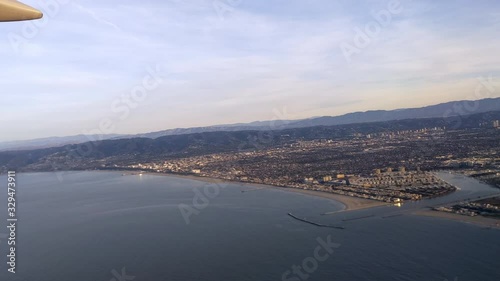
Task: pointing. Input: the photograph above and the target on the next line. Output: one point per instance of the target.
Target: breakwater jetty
(314, 223)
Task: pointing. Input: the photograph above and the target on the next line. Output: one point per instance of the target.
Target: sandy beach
(478, 220)
(350, 203)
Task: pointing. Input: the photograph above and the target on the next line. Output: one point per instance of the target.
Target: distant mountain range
(93, 155)
(443, 110)
(51, 142)
(449, 109)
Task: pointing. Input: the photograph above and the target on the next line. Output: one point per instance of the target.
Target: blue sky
(232, 61)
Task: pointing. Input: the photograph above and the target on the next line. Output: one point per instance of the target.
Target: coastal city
(250, 140)
(489, 208)
(390, 166)
(387, 165)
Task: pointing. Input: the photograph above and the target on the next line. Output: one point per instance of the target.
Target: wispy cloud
(266, 55)
(96, 17)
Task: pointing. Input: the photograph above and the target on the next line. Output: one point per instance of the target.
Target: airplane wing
(12, 10)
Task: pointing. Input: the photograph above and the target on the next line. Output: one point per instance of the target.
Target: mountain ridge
(92, 155)
(431, 111)
(447, 109)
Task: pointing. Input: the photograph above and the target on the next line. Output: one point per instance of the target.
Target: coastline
(350, 203)
(478, 220)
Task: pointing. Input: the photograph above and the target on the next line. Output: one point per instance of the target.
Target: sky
(123, 67)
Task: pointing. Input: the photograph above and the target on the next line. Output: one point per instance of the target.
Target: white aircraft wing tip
(12, 10)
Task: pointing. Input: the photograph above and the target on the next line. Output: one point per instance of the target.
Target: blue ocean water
(106, 226)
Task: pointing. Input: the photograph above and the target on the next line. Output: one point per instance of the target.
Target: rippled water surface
(95, 225)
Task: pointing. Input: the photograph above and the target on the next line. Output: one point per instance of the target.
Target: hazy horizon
(203, 63)
(228, 124)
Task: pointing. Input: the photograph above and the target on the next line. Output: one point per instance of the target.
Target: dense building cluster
(351, 166)
(386, 165)
(488, 208)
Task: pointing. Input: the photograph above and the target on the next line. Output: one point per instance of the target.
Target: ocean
(106, 226)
